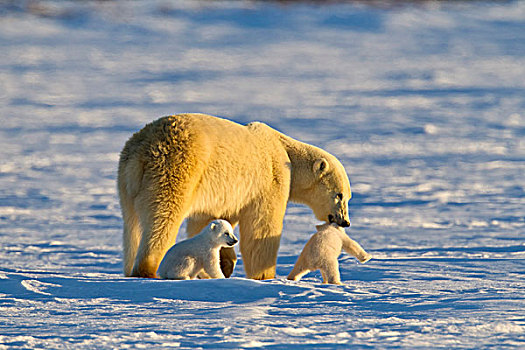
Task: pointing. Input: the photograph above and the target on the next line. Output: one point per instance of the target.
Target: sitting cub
(198, 255)
(321, 253)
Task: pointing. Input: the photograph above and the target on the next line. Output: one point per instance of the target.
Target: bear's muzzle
(341, 221)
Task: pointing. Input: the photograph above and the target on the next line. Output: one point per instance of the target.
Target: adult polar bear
(202, 167)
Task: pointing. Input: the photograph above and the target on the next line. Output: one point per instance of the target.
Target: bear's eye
(226, 233)
(339, 196)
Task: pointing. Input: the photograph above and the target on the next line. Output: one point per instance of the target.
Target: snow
(423, 102)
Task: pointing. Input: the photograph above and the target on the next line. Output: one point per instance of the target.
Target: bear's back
(238, 163)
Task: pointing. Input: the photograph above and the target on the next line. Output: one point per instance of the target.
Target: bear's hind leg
(131, 233)
(160, 219)
(131, 239)
(153, 246)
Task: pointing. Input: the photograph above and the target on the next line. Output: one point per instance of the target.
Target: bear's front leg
(260, 229)
(228, 259)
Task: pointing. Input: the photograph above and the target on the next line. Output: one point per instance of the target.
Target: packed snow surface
(423, 102)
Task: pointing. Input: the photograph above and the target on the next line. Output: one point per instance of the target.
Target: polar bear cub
(198, 255)
(321, 253)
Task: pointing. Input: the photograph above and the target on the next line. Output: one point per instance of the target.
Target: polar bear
(199, 167)
(321, 253)
(186, 259)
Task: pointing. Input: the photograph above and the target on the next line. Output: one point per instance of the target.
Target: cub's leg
(330, 272)
(353, 248)
(212, 269)
(299, 270)
(180, 270)
(197, 273)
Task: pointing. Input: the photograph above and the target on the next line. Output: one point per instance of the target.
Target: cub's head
(328, 226)
(222, 233)
(331, 192)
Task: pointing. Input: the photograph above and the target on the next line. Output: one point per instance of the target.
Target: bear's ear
(212, 226)
(320, 166)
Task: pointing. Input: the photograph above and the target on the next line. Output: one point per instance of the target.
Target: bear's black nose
(345, 223)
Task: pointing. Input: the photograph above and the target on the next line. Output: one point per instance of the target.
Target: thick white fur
(321, 253)
(189, 258)
(201, 167)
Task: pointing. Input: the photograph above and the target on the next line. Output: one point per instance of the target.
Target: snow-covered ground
(423, 102)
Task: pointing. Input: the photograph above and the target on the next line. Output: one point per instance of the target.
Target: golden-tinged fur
(321, 253)
(202, 167)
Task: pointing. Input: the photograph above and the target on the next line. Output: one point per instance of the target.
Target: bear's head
(331, 192)
(222, 233)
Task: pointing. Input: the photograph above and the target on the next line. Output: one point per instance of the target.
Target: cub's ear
(212, 226)
(320, 166)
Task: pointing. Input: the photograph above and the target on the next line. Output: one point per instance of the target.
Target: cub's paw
(365, 258)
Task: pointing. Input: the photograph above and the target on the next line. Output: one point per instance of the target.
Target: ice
(422, 101)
